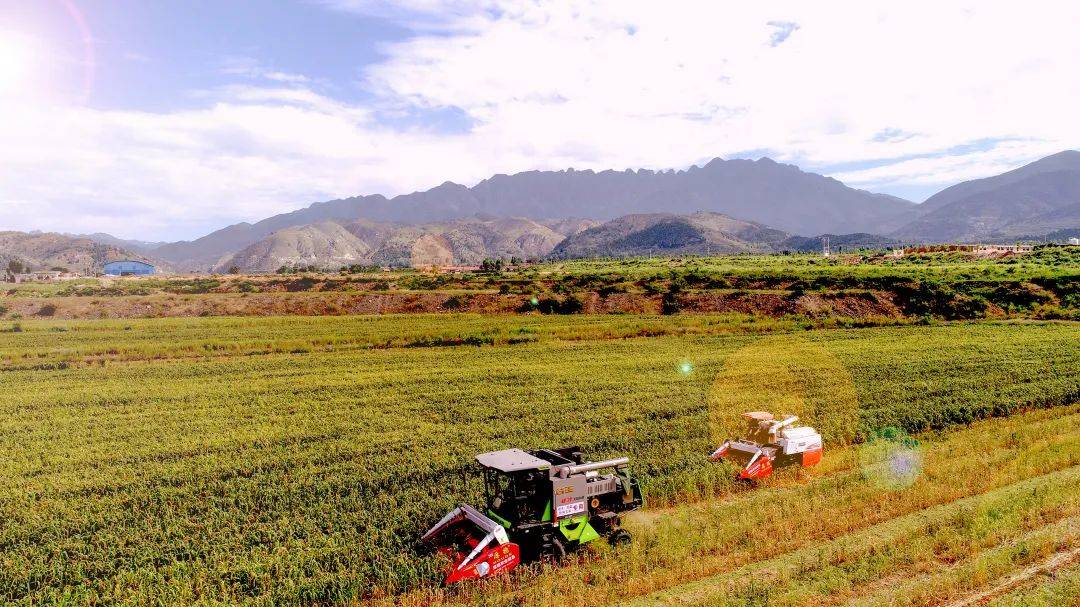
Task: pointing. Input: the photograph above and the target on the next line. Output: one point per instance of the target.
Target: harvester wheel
(745, 483)
(620, 538)
(554, 553)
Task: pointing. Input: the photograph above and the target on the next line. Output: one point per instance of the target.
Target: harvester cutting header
(540, 505)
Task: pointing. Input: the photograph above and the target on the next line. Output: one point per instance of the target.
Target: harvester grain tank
(770, 444)
(539, 505)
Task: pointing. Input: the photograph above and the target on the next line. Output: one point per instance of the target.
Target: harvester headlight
(483, 569)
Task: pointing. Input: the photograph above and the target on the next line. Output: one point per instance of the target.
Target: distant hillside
(203, 252)
(764, 191)
(839, 242)
(1068, 160)
(570, 225)
(330, 244)
(46, 250)
(1034, 200)
(323, 244)
(670, 234)
(138, 246)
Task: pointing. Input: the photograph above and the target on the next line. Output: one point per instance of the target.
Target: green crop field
(295, 460)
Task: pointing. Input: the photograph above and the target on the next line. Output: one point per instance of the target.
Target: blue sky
(153, 56)
(167, 119)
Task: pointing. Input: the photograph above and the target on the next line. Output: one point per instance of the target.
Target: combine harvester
(540, 505)
(770, 445)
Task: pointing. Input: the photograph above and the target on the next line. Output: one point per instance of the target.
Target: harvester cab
(770, 444)
(539, 505)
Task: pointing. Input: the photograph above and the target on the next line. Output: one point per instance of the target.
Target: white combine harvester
(770, 445)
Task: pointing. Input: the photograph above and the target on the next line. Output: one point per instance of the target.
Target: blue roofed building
(128, 267)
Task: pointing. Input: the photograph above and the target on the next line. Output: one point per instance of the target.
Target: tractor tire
(620, 538)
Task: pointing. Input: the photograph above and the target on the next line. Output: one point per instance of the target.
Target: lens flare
(891, 460)
(14, 62)
(87, 40)
(785, 375)
(686, 367)
(534, 301)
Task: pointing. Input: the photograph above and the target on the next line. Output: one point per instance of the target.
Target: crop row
(54, 344)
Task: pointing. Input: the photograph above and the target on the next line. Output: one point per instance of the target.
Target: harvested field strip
(677, 546)
(1043, 513)
(1048, 588)
(991, 573)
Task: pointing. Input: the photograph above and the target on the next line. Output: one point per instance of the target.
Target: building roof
(145, 263)
(512, 460)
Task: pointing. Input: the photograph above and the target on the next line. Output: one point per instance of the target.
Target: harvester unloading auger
(770, 444)
(540, 505)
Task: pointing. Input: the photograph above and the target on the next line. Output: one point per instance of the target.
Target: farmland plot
(187, 462)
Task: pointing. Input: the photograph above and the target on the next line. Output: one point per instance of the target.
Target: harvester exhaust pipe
(783, 423)
(589, 467)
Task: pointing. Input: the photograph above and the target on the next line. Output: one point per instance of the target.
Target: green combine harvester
(540, 505)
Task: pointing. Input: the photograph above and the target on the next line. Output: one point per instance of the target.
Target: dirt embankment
(859, 305)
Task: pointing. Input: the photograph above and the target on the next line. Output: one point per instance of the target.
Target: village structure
(982, 250)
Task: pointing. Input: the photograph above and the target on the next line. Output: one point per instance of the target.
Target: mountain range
(763, 191)
(722, 206)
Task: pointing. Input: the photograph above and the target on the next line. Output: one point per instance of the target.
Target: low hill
(330, 244)
(323, 244)
(1034, 200)
(46, 250)
(670, 234)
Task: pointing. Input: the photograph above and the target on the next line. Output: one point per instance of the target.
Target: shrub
(966, 307)
(572, 305)
(1019, 296)
(1052, 312)
(607, 290)
(552, 305)
(47, 310)
(304, 283)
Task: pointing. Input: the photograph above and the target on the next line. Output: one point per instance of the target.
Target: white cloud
(590, 85)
